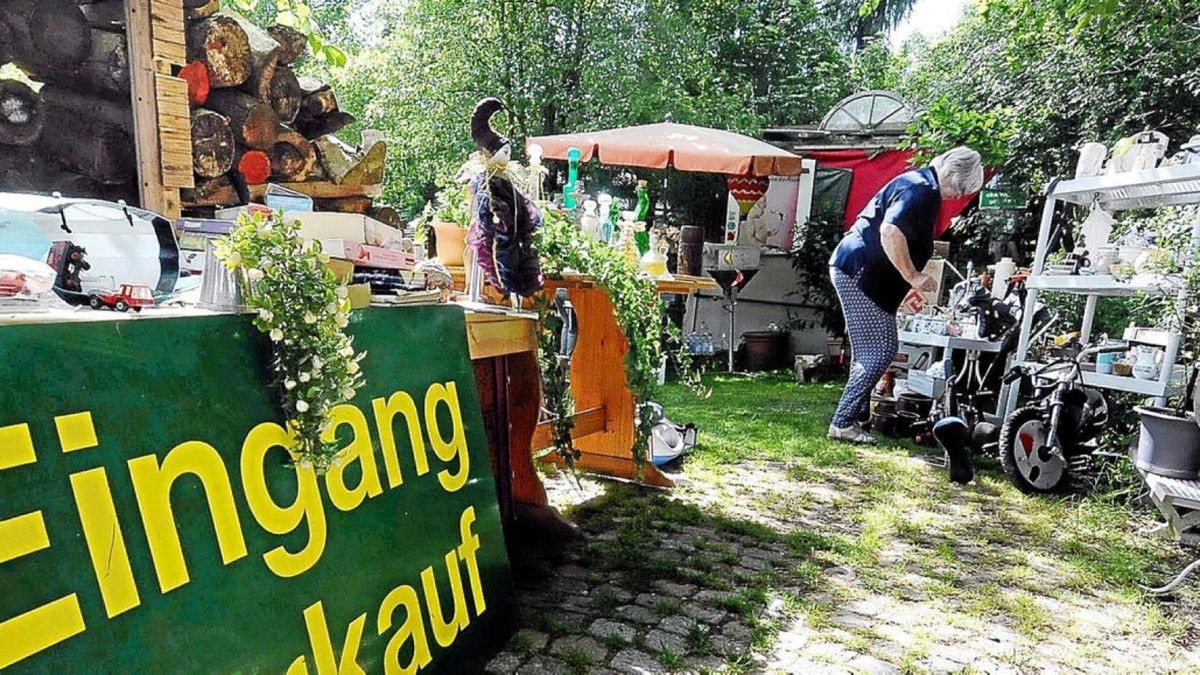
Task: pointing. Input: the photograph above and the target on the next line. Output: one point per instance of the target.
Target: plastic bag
(24, 278)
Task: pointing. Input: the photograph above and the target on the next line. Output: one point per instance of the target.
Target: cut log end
(196, 76)
(255, 167)
(222, 45)
(284, 94)
(292, 43)
(213, 147)
(293, 158)
(22, 113)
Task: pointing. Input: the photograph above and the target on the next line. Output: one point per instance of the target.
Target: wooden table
(604, 422)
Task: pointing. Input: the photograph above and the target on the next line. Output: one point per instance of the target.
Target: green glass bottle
(642, 237)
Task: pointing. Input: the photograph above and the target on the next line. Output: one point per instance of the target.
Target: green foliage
(300, 15)
(575, 65)
(636, 305)
(304, 312)
(944, 125)
(556, 382)
(863, 21)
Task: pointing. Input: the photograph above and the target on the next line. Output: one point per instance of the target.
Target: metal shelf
(1101, 284)
(1152, 188)
(1129, 383)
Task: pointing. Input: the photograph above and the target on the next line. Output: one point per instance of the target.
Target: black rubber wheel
(122, 306)
(1030, 465)
(94, 302)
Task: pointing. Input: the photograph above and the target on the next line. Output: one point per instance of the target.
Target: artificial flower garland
(299, 305)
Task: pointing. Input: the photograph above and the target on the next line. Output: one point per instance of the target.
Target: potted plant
(1169, 437)
(449, 216)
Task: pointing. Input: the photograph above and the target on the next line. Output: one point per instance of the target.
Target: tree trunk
(284, 94)
(106, 67)
(213, 147)
(82, 106)
(109, 16)
(203, 11)
(292, 157)
(22, 113)
(223, 46)
(255, 123)
(89, 147)
(292, 43)
(315, 127)
(346, 166)
(214, 192)
(46, 33)
(264, 57)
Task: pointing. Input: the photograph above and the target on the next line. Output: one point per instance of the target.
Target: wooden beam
(587, 423)
(491, 335)
(144, 65)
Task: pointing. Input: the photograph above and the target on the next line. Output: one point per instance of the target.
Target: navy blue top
(911, 202)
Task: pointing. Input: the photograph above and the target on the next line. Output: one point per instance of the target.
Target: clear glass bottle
(654, 262)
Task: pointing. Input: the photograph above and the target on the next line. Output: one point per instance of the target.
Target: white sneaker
(850, 434)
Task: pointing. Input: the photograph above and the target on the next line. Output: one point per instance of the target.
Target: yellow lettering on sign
(29, 633)
(413, 629)
(400, 403)
(76, 432)
(16, 446)
(152, 486)
(278, 519)
(322, 644)
(456, 447)
(105, 542)
(359, 449)
(446, 631)
(467, 551)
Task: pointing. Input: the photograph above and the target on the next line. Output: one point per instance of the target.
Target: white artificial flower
(305, 377)
(342, 321)
(348, 393)
(289, 384)
(265, 314)
(267, 227)
(254, 274)
(331, 308)
(310, 318)
(234, 259)
(347, 351)
(342, 292)
(316, 361)
(301, 406)
(276, 334)
(352, 367)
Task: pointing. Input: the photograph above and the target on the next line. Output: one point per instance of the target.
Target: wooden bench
(1179, 503)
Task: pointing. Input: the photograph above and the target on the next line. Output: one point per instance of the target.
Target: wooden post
(161, 116)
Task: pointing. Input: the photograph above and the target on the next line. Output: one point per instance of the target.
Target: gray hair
(961, 169)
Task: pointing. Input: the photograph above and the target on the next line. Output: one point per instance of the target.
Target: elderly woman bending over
(879, 260)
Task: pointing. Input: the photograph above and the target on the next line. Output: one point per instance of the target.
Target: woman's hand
(923, 282)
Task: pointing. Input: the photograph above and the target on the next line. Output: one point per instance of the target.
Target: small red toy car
(129, 297)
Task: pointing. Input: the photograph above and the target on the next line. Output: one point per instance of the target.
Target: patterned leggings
(874, 342)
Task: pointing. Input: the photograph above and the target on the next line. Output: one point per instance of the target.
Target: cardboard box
(350, 227)
(916, 301)
(360, 295)
(383, 258)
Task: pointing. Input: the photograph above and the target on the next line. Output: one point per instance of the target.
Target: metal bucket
(1168, 444)
(221, 289)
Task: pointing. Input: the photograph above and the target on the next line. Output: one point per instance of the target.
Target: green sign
(149, 523)
(995, 200)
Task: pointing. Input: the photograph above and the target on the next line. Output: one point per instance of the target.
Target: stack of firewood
(74, 134)
(253, 120)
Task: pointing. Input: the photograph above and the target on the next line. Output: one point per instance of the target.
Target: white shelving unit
(1153, 188)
